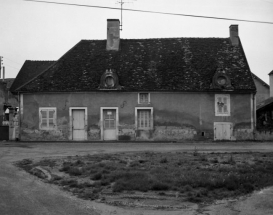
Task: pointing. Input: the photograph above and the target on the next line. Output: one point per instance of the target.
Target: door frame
(71, 121)
(225, 123)
(101, 120)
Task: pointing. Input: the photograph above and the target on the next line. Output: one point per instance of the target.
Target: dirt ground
(49, 199)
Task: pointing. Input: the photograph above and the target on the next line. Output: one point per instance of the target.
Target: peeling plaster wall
(177, 116)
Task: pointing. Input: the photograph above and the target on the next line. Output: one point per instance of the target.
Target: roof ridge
(41, 60)
(155, 38)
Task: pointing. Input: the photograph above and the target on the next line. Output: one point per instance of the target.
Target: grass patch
(195, 176)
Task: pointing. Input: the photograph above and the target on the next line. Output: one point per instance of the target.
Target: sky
(41, 31)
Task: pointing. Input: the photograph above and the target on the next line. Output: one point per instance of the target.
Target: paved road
(24, 194)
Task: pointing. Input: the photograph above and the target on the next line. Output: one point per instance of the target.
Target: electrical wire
(11, 66)
(155, 12)
(12, 61)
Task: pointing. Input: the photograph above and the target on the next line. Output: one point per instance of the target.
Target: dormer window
(221, 80)
(144, 98)
(109, 80)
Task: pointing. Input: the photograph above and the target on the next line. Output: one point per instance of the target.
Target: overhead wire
(154, 12)
(12, 61)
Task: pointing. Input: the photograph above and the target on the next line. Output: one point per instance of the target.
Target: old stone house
(161, 89)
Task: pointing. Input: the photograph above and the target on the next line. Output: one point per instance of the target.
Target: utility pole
(0, 66)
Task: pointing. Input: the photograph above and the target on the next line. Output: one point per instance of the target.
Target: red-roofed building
(162, 89)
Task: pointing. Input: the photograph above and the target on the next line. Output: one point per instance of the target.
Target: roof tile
(169, 64)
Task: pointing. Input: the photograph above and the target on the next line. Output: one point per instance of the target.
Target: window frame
(151, 109)
(149, 99)
(227, 96)
(54, 118)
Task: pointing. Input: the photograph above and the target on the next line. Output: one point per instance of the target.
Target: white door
(78, 124)
(109, 124)
(222, 131)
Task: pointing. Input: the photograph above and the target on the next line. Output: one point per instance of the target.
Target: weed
(74, 171)
(164, 160)
(195, 151)
(70, 183)
(25, 162)
(132, 181)
(47, 162)
(215, 160)
(159, 186)
(97, 176)
(188, 188)
(56, 177)
(89, 195)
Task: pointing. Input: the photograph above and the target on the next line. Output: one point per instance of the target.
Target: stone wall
(176, 116)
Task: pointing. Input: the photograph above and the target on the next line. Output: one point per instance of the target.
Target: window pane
(44, 113)
(51, 113)
(143, 97)
(44, 123)
(144, 117)
(48, 118)
(50, 123)
(225, 108)
(220, 108)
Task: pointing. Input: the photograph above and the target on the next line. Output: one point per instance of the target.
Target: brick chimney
(113, 36)
(234, 35)
(271, 83)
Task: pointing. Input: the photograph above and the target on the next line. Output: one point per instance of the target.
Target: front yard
(156, 180)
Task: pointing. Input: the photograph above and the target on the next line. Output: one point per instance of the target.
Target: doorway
(109, 123)
(222, 130)
(79, 122)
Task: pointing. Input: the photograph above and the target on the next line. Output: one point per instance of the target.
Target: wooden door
(78, 124)
(109, 124)
(222, 131)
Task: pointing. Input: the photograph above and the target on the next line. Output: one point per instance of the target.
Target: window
(109, 120)
(144, 118)
(222, 105)
(143, 98)
(47, 118)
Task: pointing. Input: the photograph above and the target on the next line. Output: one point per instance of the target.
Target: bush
(97, 176)
(74, 171)
(164, 160)
(159, 186)
(132, 181)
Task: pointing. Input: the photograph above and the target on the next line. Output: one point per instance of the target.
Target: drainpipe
(254, 115)
(19, 116)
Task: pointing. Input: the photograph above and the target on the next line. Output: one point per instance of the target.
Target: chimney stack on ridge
(234, 35)
(271, 84)
(113, 35)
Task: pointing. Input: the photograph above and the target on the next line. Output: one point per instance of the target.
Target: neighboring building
(163, 89)
(7, 99)
(265, 109)
(262, 89)
(29, 70)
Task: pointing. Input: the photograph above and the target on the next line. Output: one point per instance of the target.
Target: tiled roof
(264, 103)
(29, 70)
(165, 64)
(9, 82)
